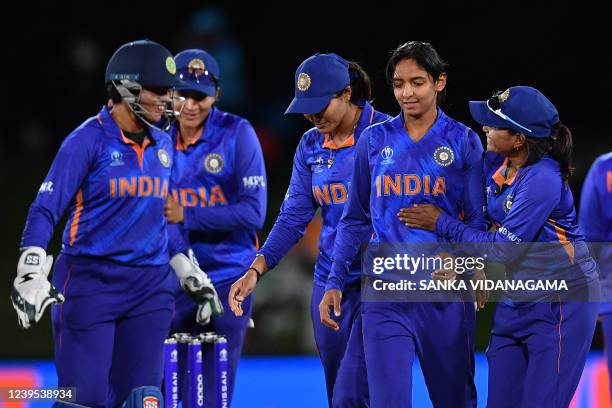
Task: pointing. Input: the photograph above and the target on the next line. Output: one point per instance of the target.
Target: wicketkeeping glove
(211, 307)
(32, 292)
(195, 282)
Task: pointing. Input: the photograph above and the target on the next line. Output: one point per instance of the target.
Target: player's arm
(354, 228)
(474, 193)
(296, 212)
(535, 199)
(32, 292)
(591, 214)
(249, 212)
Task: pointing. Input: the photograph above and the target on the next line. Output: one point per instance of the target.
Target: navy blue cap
(198, 70)
(143, 61)
(317, 80)
(522, 108)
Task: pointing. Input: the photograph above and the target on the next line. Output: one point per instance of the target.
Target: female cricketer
(333, 95)
(420, 155)
(218, 198)
(596, 224)
(540, 339)
(112, 172)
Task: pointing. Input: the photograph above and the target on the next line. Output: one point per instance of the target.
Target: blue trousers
(440, 334)
(232, 327)
(537, 352)
(341, 352)
(109, 332)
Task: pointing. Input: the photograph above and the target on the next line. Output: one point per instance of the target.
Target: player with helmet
(218, 200)
(334, 95)
(117, 290)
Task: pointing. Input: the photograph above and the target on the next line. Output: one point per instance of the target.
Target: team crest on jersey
(508, 202)
(116, 158)
(444, 156)
(150, 402)
(387, 155)
(304, 82)
(163, 157)
(213, 163)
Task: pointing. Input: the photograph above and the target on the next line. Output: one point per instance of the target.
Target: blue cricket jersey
(220, 180)
(321, 177)
(392, 172)
(596, 220)
(115, 190)
(534, 206)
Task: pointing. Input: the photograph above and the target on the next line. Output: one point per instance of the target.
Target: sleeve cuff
(333, 283)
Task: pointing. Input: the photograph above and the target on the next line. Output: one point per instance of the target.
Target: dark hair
(361, 85)
(559, 146)
(425, 56)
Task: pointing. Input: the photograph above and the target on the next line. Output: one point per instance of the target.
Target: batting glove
(32, 292)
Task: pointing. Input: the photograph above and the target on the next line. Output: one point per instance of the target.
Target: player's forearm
(288, 229)
(249, 214)
(39, 228)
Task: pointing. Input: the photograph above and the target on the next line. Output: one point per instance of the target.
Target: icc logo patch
(223, 355)
(444, 156)
(387, 155)
(304, 82)
(116, 158)
(163, 157)
(150, 402)
(213, 163)
(508, 202)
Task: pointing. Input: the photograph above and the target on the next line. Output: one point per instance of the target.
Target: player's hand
(240, 289)
(194, 280)
(208, 309)
(331, 300)
(444, 274)
(422, 216)
(481, 295)
(173, 211)
(32, 292)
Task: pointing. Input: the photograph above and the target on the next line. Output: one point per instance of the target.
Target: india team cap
(143, 61)
(522, 108)
(198, 70)
(317, 80)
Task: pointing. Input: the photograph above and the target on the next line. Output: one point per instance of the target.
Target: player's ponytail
(559, 146)
(562, 148)
(361, 85)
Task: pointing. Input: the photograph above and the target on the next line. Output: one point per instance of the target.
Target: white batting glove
(32, 292)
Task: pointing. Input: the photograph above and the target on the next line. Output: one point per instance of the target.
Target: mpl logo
(150, 402)
(254, 181)
(387, 155)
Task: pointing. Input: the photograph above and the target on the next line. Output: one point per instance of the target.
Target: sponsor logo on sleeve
(254, 182)
(46, 187)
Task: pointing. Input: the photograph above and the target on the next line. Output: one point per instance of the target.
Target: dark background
(54, 56)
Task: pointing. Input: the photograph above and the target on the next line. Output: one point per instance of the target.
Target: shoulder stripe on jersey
(74, 227)
(372, 116)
